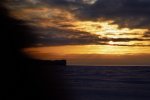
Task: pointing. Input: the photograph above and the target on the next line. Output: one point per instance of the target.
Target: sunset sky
(87, 32)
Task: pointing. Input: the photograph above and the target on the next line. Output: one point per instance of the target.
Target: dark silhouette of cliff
(23, 77)
(52, 62)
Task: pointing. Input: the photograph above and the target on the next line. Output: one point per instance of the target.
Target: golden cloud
(54, 17)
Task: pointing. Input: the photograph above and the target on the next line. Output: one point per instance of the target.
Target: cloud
(61, 22)
(33, 1)
(124, 12)
(89, 2)
(55, 36)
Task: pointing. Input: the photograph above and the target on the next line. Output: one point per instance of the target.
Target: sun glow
(107, 29)
(65, 51)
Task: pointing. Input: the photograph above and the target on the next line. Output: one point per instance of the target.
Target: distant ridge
(52, 62)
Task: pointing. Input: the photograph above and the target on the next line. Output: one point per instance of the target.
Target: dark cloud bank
(130, 13)
(126, 13)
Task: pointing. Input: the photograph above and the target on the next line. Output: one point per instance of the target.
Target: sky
(87, 32)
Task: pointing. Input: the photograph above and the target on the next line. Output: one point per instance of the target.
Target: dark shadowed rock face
(22, 76)
(53, 62)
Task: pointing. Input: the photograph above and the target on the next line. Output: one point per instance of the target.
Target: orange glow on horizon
(62, 51)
